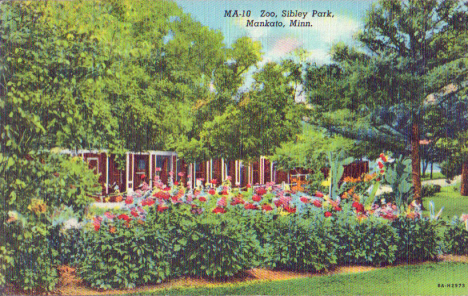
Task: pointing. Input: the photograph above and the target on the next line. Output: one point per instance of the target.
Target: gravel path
(441, 182)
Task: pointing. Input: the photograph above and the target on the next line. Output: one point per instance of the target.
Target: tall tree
(410, 49)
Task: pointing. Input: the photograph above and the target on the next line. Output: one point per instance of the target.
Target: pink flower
(248, 186)
(380, 165)
(181, 174)
(176, 183)
(171, 174)
(337, 208)
(109, 215)
(157, 169)
(221, 202)
(464, 217)
(124, 217)
(214, 182)
(202, 199)
(318, 194)
(189, 198)
(229, 178)
(212, 191)
(327, 214)
(189, 176)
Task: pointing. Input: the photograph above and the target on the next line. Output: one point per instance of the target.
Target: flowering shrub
(371, 241)
(126, 254)
(456, 236)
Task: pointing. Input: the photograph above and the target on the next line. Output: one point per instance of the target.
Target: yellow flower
(326, 183)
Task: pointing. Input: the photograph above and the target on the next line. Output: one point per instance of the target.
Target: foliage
(125, 255)
(372, 242)
(430, 189)
(398, 176)
(456, 236)
(6, 262)
(336, 163)
(418, 239)
(298, 244)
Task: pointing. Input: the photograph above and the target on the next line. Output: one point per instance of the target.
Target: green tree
(409, 50)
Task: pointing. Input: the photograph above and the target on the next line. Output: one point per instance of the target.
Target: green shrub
(456, 238)
(430, 190)
(298, 244)
(6, 262)
(132, 255)
(35, 263)
(418, 239)
(371, 241)
(219, 246)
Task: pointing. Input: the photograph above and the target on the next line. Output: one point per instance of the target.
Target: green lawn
(454, 203)
(435, 176)
(403, 280)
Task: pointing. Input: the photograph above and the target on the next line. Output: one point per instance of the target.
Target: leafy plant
(336, 171)
(456, 237)
(298, 244)
(398, 176)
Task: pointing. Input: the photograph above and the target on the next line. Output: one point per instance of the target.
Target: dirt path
(70, 284)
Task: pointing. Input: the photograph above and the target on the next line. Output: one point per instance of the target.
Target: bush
(219, 246)
(456, 237)
(6, 262)
(124, 255)
(298, 244)
(430, 190)
(418, 239)
(372, 241)
(35, 263)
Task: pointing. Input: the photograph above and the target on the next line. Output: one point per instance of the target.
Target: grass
(450, 199)
(422, 279)
(435, 176)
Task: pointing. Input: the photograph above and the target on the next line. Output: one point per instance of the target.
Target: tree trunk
(416, 161)
(432, 166)
(464, 179)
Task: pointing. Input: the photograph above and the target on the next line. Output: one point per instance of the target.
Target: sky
(279, 42)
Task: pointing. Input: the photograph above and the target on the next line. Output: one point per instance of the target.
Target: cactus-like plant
(336, 171)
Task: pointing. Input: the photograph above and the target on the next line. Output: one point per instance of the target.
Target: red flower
(175, 198)
(214, 181)
(382, 156)
(289, 209)
(150, 202)
(124, 217)
(202, 198)
(129, 200)
(327, 214)
(267, 207)
(304, 199)
(380, 165)
(249, 206)
(212, 191)
(134, 213)
(248, 186)
(261, 191)
(277, 203)
(96, 227)
(256, 198)
(167, 189)
(219, 210)
(359, 207)
(337, 208)
(317, 203)
(382, 171)
(236, 201)
(318, 194)
(162, 208)
(176, 183)
(142, 177)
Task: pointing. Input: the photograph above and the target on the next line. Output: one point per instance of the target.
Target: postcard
(197, 147)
